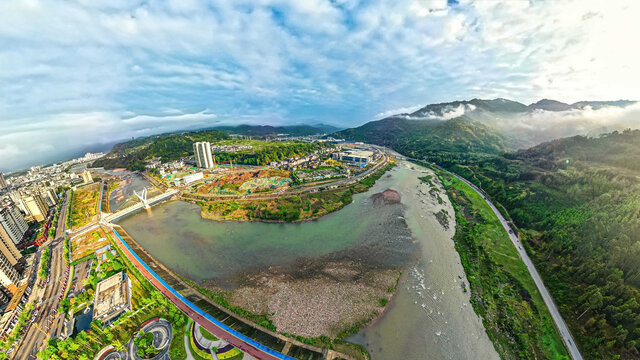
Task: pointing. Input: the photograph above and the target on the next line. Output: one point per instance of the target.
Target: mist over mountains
(493, 126)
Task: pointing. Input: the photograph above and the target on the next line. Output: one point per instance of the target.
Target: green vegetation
(69, 214)
(458, 139)
(265, 152)
(502, 291)
(54, 223)
(195, 351)
(288, 208)
(148, 303)
(576, 203)
(207, 335)
(144, 343)
(177, 350)
(44, 263)
(85, 205)
(133, 154)
(12, 338)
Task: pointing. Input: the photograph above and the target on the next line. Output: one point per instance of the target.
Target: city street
(46, 300)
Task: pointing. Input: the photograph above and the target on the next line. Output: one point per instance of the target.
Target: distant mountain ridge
(485, 127)
(268, 130)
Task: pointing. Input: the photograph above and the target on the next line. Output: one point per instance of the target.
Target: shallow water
(175, 234)
(133, 182)
(430, 317)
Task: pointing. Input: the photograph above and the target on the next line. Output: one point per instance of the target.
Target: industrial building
(202, 152)
(358, 157)
(112, 298)
(12, 223)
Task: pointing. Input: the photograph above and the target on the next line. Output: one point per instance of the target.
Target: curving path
(569, 343)
(242, 342)
(162, 335)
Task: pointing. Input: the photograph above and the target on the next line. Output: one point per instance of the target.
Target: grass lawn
(207, 335)
(503, 292)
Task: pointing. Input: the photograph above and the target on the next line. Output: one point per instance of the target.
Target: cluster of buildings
(230, 148)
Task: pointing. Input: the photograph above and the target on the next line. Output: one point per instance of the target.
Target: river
(430, 317)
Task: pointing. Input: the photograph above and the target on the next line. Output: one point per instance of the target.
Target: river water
(430, 317)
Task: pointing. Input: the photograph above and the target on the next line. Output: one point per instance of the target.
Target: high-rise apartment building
(9, 276)
(12, 222)
(36, 207)
(3, 182)
(49, 196)
(202, 152)
(7, 248)
(16, 197)
(86, 177)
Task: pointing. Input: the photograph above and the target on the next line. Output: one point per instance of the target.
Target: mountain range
(267, 130)
(493, 126)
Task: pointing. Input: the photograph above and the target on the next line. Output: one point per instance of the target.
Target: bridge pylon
(143, 197)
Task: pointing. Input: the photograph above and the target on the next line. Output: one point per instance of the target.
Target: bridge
(107, 218)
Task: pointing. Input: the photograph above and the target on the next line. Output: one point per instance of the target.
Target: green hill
(132, 154)
(577, 201)
(455, 138)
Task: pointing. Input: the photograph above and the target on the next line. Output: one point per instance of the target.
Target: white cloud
(291, 60)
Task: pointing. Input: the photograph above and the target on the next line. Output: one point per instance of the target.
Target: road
(192, 312)
(296, 191)
(35, 335)
(569, 343)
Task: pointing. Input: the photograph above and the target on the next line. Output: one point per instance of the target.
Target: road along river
(431, 316)
(333, 259)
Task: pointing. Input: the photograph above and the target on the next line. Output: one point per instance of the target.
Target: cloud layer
(73, 73)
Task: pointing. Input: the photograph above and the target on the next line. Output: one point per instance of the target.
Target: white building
(360, 157)
(188, 179)
(12, 223)
(3, 182)
(202, 152)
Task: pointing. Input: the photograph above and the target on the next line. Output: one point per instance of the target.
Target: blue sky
(77, 73)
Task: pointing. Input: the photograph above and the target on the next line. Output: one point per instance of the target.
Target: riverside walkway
(204, 319)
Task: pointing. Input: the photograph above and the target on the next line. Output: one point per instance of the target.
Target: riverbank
(431, 316)
(503, 291)
(305, 206)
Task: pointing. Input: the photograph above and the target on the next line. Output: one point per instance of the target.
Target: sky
(77, 75)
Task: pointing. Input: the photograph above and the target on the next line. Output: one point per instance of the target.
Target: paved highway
(48, 315)
(548, 300)
(568, 340)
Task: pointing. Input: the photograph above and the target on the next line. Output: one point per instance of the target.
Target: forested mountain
(131, 154)
(455, 138)
(577, 201)
(494, 125)
(266, 130)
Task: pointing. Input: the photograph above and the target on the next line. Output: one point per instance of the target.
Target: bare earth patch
(336, 297)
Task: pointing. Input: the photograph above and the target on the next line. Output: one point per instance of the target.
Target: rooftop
(112, 297)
